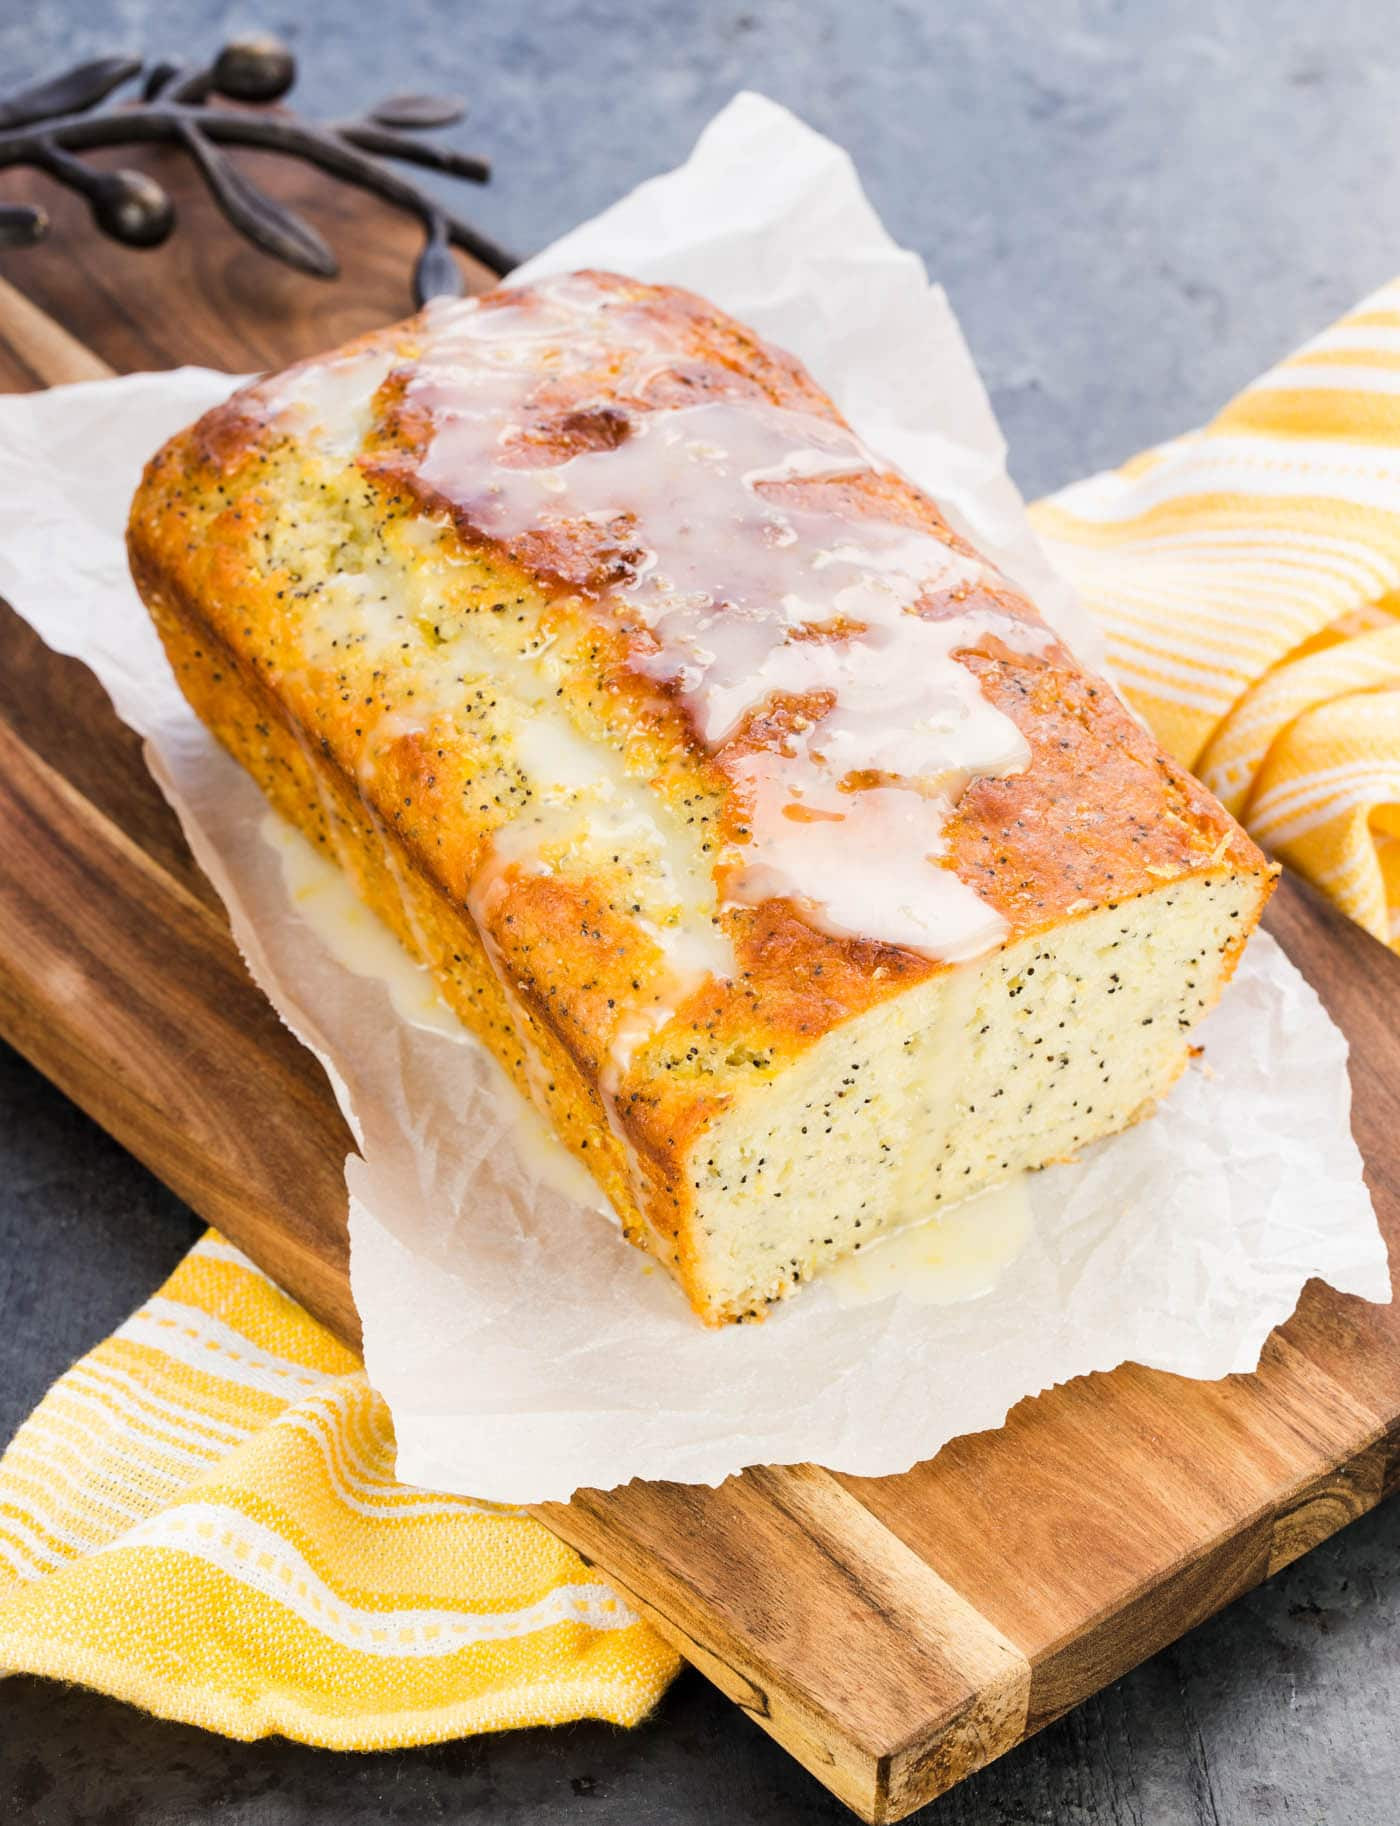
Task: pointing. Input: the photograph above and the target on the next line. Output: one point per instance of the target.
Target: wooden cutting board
(893, 1633)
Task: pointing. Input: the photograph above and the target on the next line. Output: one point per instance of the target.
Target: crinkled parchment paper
(523, 1347)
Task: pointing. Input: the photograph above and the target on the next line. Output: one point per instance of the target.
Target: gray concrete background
(1134, 209)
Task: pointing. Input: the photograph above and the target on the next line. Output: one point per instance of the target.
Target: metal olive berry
(22, 224)
(132, 208)
(257, 67)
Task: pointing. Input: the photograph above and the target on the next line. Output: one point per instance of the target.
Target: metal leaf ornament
(49, 124)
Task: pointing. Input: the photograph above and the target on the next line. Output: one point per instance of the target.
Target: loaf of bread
(763, 830)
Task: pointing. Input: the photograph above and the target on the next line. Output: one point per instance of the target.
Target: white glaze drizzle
(330, 400)
(749, 596)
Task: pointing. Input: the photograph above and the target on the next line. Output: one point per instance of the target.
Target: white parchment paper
(524, 1349)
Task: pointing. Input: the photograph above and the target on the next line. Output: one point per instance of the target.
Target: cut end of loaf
(1012, 1062)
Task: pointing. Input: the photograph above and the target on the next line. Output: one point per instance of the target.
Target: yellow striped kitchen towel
(201, 1518)
(1246, 576)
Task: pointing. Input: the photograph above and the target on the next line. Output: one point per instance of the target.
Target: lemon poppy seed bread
(767, 835)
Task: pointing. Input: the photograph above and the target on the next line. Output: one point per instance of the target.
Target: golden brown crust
(1101, 815)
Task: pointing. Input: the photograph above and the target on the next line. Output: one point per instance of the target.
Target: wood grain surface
(892, 1633)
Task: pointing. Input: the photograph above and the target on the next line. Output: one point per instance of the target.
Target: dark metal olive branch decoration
(48, 124)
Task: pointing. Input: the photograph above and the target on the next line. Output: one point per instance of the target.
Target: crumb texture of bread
(763, 831)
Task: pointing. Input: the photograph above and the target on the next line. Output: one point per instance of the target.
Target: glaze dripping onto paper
(959, 1253)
